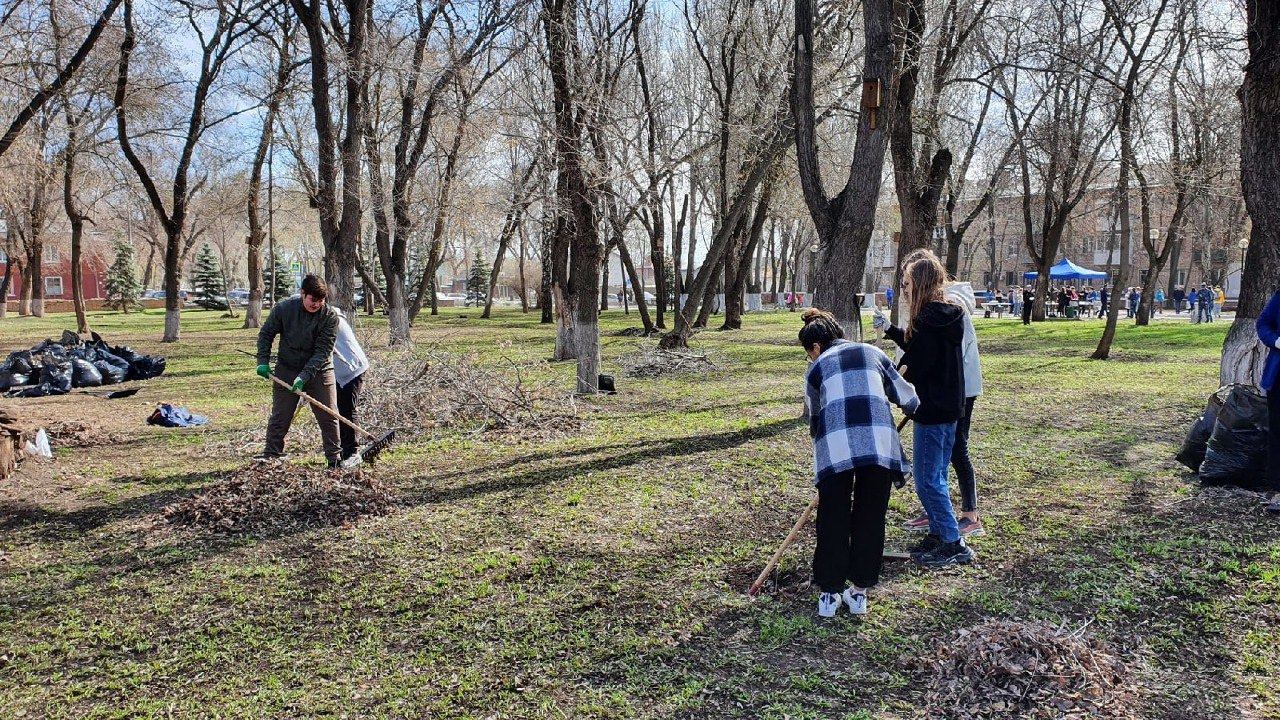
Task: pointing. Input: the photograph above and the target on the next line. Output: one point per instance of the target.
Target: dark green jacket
(306, 339)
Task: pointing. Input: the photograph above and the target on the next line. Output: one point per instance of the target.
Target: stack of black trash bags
(55, 366)
(1228, 444)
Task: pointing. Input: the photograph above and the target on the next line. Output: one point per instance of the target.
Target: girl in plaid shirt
(857, 457)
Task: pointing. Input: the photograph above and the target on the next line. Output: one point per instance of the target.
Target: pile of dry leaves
(653, 361)
(276, 496)
(417, 391)
(1004, 669)
(73, 433)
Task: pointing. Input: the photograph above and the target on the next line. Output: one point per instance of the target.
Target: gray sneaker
(956, 553)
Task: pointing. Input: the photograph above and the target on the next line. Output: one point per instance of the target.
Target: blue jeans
(930, 461)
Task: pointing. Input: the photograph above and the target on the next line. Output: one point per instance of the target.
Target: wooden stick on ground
(804, 517)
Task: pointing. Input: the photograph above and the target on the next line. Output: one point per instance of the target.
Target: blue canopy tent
(1067, 270)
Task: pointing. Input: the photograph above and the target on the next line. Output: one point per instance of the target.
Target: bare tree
(279, 37)
(1136, 44)
(55, 86)
(338, 163)
(845, 222)
(221, 30)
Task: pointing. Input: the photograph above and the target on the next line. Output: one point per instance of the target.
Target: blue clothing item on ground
(847, 391)
(170, 416)
(931, 459)
(1268, 325)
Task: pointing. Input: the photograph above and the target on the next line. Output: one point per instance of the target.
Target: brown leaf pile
(73, 433)
(1005, 669)
(277, 496)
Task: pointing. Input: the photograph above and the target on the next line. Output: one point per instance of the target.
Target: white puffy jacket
(349, 360)
(962, 292)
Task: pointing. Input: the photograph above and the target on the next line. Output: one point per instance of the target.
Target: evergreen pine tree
(284, 281)
(478, 280)
(207, 278)
(121, 280)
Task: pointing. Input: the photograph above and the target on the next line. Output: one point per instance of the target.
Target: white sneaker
(857, 601)
(829, 603)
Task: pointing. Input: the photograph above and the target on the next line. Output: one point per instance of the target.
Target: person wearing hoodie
(1268, 327)
(933, 354)
(349, 366)
(857, 458)
(968, 522)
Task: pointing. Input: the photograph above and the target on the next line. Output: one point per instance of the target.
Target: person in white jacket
(349, 366)
(970, 525)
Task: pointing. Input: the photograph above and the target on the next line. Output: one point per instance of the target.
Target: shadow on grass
(677, 447)
(44, 524)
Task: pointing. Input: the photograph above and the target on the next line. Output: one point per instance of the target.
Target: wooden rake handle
(316, 403)
(764, 575)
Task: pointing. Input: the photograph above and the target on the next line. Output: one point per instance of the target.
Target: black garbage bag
(148, 367)
(111, 374)
(84, 374)
(21, 362)
(41, 390)
(1193, 448)
(10, 379)
(1236, 453)
(55, 374)
(126, 353)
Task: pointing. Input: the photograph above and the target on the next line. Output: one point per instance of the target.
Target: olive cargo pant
(284, 404)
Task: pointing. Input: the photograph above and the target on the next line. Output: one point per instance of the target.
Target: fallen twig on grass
(420, 391)
(649, 360)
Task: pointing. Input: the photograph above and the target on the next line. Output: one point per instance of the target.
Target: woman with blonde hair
(932, 343)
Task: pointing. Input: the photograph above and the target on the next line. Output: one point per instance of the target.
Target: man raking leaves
(308, 329)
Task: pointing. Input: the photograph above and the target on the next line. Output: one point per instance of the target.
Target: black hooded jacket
(935, 362)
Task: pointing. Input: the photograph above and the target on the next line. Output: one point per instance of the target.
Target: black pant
(1026, 311)
(348, 396)
(961, 462)
(851, 528)
(1273, 439)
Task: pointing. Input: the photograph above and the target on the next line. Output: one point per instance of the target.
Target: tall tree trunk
(1242, 355)
(736, 275)
(24, 292)
(77, 220)
(545, 300)
(253, 244)
(524, 249)
(677, 260)
(845, 222)
(577, 226)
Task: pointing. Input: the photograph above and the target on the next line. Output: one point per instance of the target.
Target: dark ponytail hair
(820, 328)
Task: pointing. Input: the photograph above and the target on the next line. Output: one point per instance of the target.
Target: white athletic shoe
(829, 603)
(857, 601)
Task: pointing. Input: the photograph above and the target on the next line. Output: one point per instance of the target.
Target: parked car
(239, 297)
(160, 294)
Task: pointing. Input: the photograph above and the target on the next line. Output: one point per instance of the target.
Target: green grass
(603, 574)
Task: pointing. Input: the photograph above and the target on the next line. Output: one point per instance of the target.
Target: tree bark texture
(1242, 355)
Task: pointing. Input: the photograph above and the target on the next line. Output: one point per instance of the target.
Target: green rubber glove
(265, 371)
(297, 385)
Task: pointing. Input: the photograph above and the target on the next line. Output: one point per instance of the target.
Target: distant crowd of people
(1203, 304)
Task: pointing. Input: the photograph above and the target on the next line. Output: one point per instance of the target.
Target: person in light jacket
(349, 366)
